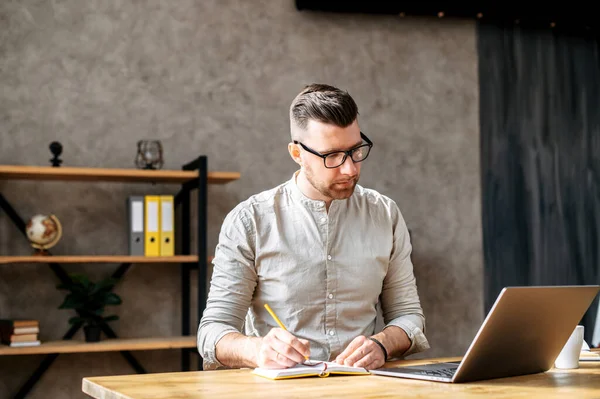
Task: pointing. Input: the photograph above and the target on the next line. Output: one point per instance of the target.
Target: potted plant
(89, 299)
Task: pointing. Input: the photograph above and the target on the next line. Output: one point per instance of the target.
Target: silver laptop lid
(525, 331)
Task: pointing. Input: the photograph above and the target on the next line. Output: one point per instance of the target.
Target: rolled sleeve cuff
(418, 341)
(208, 347)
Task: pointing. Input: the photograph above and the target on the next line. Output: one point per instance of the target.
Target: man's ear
(294, 151)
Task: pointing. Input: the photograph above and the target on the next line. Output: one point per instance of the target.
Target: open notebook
(589, 356)
(310, 368)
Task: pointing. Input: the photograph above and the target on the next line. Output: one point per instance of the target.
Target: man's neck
(308, 190)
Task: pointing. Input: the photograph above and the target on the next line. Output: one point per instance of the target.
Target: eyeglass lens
(337, 158)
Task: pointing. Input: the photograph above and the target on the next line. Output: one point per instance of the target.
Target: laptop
(523, 333)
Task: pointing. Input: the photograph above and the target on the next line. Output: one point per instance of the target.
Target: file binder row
(151, 225)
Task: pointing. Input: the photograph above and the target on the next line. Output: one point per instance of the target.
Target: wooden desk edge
(98, 392)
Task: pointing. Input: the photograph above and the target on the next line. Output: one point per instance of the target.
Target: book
(28, 343)
(25, 330)
(310, 368)
(19, 338)
(15, 323)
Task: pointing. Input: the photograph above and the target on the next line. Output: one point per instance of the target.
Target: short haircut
(323, 103)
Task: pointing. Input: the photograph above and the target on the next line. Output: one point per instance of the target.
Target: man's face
(336, 183)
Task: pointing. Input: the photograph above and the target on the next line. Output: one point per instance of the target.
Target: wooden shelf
(65, 173)
(99, 259)
(106, 345)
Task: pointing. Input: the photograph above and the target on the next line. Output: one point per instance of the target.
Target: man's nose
(348, 167)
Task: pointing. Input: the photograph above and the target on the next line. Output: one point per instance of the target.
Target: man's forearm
(236, 350)
(394, 339)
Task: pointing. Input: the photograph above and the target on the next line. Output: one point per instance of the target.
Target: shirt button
(330, 296)
(323, 219)
(328, 257)
(331, 332)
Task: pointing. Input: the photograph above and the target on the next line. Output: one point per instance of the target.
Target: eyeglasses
(336, 159)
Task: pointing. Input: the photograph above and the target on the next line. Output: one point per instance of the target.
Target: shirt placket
(331, 332)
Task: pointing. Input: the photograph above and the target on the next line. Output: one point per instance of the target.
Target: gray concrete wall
(216, 78)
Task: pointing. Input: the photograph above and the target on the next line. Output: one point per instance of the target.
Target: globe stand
(40, 252)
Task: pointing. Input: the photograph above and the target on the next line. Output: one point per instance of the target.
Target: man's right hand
(281, 349)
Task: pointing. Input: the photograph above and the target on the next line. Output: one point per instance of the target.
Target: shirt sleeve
(232, 286)
(400, 302)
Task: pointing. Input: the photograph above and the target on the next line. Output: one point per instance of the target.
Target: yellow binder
(167, 226)
(152, 225)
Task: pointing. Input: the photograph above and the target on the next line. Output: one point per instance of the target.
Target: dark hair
(325, 104)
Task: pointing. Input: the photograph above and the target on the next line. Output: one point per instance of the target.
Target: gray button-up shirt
(324, 274)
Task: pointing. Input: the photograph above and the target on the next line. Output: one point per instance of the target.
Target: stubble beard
(332, 190)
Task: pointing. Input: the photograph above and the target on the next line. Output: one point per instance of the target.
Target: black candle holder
(56, 149)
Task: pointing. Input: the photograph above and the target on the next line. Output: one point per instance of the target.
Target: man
(321, 251)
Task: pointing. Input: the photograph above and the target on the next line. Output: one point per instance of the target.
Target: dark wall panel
(540, 157)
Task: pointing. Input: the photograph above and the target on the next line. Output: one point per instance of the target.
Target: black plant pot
(92, 333)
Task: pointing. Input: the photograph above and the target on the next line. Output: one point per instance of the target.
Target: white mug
(569, 355)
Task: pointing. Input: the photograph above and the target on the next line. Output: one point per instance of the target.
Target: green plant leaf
(71, 302)
(81, 279)
(111, 318)
(89, 299)
(112, 299)
(103, 286)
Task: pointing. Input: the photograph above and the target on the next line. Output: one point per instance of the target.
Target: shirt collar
(299, 195)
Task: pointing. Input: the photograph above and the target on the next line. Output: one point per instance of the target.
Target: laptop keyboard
(447, 373)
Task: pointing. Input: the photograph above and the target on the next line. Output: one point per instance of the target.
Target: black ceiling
(560, 14)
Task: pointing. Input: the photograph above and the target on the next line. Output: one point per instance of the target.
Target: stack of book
(19, 332)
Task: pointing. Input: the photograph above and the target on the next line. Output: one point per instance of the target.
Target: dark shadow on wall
(540, 158)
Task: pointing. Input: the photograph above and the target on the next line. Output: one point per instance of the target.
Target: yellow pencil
(275, 316)
(277, 320)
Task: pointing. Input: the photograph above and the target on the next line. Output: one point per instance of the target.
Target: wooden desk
(580, 383)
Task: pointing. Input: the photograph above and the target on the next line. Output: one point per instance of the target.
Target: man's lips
(344, 182)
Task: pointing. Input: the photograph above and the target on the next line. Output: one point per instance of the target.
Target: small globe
(43, 231)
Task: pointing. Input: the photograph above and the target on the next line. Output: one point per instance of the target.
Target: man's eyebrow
(337, 149)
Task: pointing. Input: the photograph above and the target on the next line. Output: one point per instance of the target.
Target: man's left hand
(362, 352)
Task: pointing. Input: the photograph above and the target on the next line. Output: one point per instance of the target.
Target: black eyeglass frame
(347, 153)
